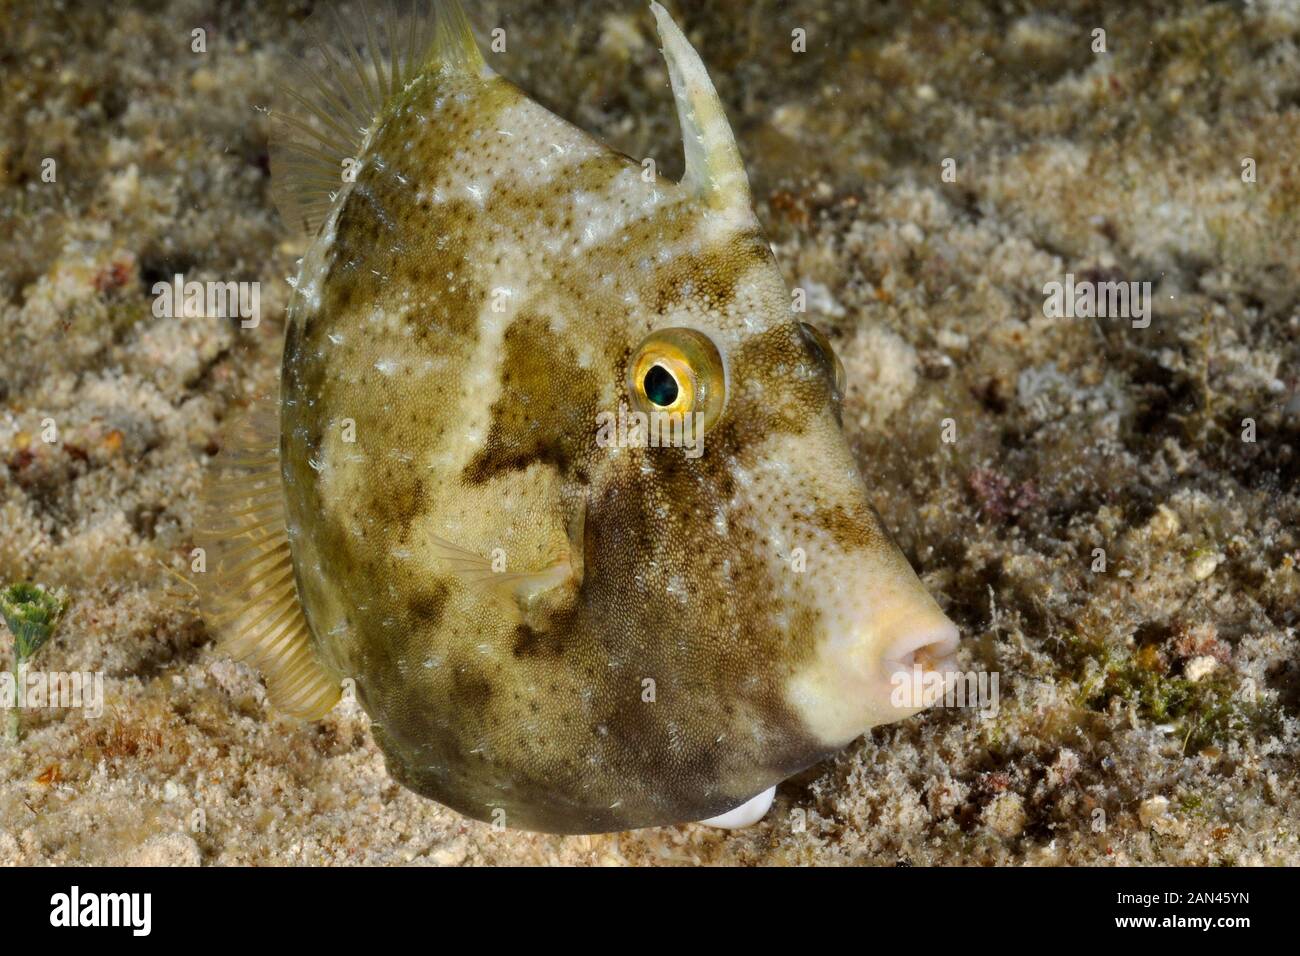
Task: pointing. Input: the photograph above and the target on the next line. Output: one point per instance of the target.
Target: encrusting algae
(552, 626)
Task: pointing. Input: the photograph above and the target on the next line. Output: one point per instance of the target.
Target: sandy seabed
(1147, 714)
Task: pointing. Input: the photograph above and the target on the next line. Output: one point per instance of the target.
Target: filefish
(555, 485)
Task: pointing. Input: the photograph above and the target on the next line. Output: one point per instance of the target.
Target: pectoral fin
(520, 586)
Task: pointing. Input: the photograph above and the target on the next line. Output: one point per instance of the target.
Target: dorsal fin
(247, 590)
(714, 170)
(356, 59)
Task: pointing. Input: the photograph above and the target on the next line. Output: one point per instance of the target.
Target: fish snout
(886, 651)
(917, 664)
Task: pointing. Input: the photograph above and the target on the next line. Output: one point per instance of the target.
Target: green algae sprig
(32, 614)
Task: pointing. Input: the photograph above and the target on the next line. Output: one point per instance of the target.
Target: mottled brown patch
(711, 276)
(851, 530)
(546, 411)
(397, 502)
(780, 385)
(426, 606)
(472, 690)
(531, 642)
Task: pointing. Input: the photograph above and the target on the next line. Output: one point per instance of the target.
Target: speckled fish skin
(478, 426)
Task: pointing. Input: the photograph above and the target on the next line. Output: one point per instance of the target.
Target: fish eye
(660, 386)
(831, 364)
(678, 371)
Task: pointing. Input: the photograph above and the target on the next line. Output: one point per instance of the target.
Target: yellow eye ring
(678, 372)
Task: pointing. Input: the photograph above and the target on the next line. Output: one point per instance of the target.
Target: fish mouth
(932, 649)
(918, 667)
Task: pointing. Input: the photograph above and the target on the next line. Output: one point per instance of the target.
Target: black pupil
(660, 386)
